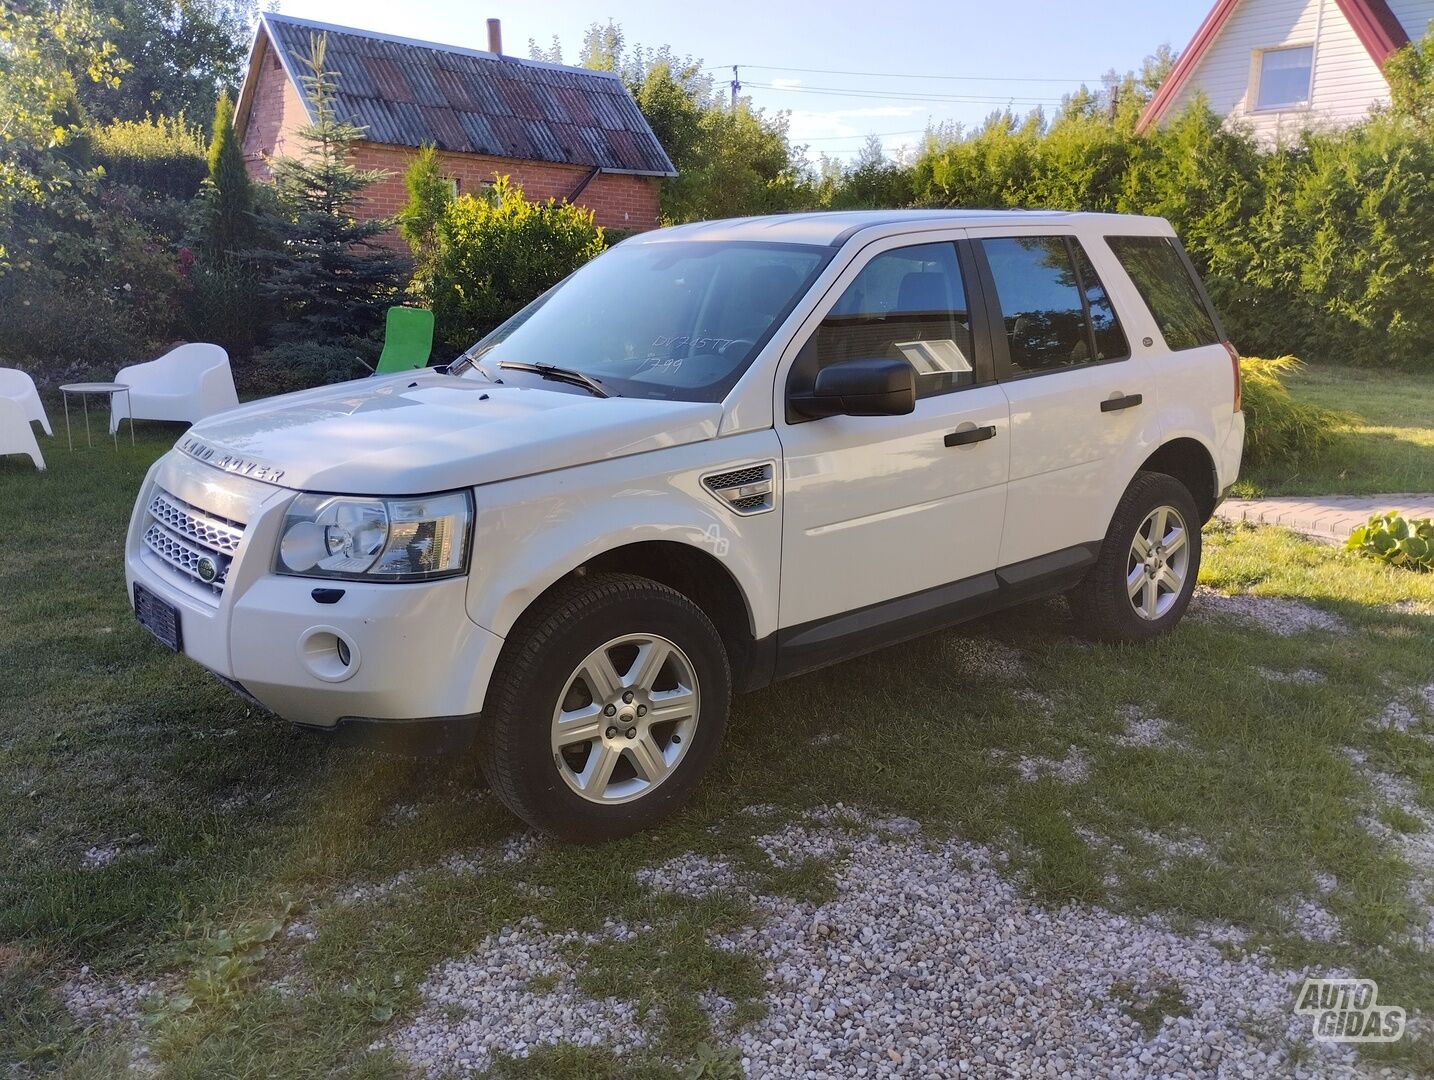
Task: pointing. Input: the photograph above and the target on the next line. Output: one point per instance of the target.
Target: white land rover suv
(715, 456)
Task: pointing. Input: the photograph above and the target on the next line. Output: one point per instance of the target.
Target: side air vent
(745, 491)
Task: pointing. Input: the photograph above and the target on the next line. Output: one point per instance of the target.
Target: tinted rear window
(1155, 265)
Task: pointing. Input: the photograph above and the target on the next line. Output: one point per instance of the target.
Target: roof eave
(1205, 35)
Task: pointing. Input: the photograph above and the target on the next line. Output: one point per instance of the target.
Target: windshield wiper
(560, 374)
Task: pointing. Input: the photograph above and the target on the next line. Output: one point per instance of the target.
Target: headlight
(342, 536)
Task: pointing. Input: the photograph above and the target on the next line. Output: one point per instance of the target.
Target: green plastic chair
(407, 340)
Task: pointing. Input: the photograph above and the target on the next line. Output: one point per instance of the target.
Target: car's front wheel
(1142, 583)
(607, 706)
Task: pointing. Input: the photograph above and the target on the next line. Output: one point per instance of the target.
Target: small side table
(109, 390)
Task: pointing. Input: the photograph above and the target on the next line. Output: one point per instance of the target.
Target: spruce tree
(329, 278)
(229, 193)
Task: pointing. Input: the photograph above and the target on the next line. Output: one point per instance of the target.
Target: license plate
(158, 617)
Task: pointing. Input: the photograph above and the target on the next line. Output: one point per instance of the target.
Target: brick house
(562, 132)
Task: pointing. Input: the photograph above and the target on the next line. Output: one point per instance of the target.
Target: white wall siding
(1346, 83)
(1414, 15)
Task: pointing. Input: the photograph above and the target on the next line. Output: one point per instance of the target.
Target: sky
(843, 69)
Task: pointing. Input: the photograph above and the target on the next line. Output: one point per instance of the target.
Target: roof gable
(1376, 26)
(415, 93)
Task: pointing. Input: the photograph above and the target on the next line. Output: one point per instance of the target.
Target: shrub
(163, 155)
(1396, 540)
(224, 302)
(1277, 427)
(496, 253)
(104, 291)
(299, 365)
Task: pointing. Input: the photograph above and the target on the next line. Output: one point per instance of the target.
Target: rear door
(1196, 380)
(881, 507)
(1083, 406)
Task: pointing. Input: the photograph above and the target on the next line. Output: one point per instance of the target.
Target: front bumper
(412, 651)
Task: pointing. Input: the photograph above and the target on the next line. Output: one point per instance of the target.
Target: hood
(420, 432)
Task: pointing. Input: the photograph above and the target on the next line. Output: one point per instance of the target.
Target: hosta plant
(1396, 540)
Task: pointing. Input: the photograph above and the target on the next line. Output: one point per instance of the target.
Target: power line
(909, 75)
(894, 95)
(867, 135)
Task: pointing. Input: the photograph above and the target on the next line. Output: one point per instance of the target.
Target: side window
(1163, 280)
(1110, 343)
(908, 304)
(1055, 311)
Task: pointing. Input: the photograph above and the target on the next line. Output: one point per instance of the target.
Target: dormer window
(1284, 76)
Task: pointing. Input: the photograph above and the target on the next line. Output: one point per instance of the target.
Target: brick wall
(275, 115)
(618, 201)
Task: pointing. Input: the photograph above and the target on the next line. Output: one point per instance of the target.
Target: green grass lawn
(230, 830)
(1390, 448)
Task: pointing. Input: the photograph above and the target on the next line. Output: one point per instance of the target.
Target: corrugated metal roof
(416, 93)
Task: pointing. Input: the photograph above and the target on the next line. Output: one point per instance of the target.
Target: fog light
(328, 654)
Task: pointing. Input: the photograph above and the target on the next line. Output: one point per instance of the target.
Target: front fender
(532, 531)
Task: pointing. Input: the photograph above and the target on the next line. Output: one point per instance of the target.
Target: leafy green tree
(43, 147)
(228, 209)
(180, 52)
(329, 277)
(429, 193)
(729, 162)
(873, 181)
(497, 251)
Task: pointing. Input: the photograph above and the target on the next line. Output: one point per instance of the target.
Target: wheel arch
(1189, 461)
(697, 574)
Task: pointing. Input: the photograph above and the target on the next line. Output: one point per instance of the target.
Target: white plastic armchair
(16, 435)
(187, 383)
(20, 388)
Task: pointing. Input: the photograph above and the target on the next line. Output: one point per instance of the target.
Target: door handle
(1124, 401)
(967, 436)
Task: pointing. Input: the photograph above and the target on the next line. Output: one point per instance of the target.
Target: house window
(1285, 78)
(452, 186)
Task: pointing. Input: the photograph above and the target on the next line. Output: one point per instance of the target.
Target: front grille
(205, 529)
(191, 542)
(748, 490)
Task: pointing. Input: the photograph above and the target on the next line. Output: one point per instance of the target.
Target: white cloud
(836, 126)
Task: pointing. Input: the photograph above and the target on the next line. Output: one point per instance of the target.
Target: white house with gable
(1281, 66)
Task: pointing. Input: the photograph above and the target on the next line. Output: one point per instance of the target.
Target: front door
(882, 507)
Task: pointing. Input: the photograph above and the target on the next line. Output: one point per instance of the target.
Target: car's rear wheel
(1148, 565)
(606, 708)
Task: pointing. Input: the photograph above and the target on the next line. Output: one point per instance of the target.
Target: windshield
(679, 320)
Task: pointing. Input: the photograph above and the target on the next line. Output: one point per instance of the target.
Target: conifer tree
(229, 193)
(329, 277)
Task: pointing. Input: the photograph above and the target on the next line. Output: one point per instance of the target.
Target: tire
(566, 672)
(1103, 603)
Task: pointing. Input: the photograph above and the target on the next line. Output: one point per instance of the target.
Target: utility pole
(736, 87)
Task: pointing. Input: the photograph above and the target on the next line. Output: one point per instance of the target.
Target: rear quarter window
(1164, 281)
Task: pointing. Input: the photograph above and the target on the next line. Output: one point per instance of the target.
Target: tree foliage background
(126, 219)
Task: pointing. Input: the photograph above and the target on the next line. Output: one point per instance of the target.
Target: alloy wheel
(625, 718)
(1159, 563)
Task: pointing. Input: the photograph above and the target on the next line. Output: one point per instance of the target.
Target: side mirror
(877, 387)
